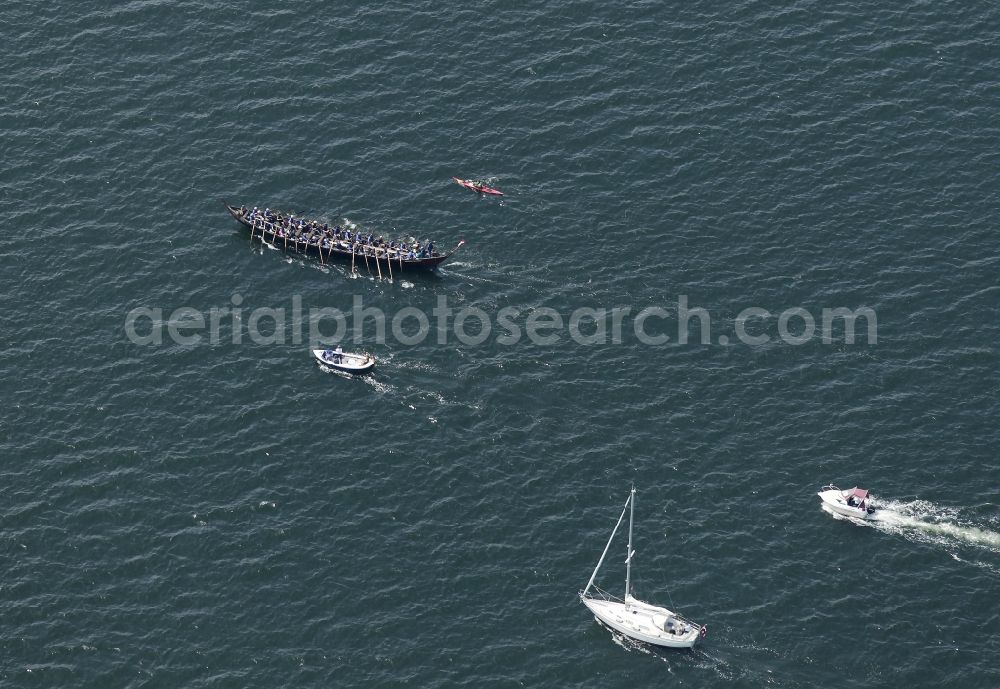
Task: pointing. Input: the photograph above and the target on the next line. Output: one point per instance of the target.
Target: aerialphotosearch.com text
(654, 325)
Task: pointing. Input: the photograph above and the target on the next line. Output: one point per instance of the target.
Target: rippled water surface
(230, 515)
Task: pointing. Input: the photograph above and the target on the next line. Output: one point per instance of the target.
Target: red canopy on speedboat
(860, 493)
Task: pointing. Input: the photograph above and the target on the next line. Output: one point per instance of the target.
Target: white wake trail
(925, 521)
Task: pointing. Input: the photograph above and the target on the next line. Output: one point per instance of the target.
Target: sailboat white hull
(644, 622)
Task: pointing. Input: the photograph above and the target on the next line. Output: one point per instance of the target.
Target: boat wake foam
(924, 521)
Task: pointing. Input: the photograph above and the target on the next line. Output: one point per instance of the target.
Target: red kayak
(481, 188)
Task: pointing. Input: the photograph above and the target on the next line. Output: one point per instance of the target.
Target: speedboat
(345, 361)
(855, 502)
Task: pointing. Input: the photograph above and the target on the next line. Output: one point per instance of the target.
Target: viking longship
(318, 239)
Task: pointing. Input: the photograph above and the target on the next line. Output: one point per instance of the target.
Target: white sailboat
(632, 617)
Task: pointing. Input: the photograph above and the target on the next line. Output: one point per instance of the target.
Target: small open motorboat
(477, 186)
(856, 502)
(344, 361)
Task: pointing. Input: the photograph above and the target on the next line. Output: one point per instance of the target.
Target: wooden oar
(353, 271)
(285, 234)
(389, 264)
(319, 245)
(366, 260)
(377, 265)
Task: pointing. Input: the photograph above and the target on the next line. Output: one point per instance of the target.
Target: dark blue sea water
(226, 514)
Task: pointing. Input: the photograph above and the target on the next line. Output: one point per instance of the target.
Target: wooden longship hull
(378, 258)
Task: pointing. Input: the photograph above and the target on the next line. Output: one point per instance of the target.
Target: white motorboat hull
(644, 622)
(351, 363)
(835, 501)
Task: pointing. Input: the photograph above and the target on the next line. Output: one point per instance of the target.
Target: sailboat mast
(604, 554)
(628, 559)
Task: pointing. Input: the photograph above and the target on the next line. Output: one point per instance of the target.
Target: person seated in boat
(430, 248)
(851, 502)
(338, 355)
